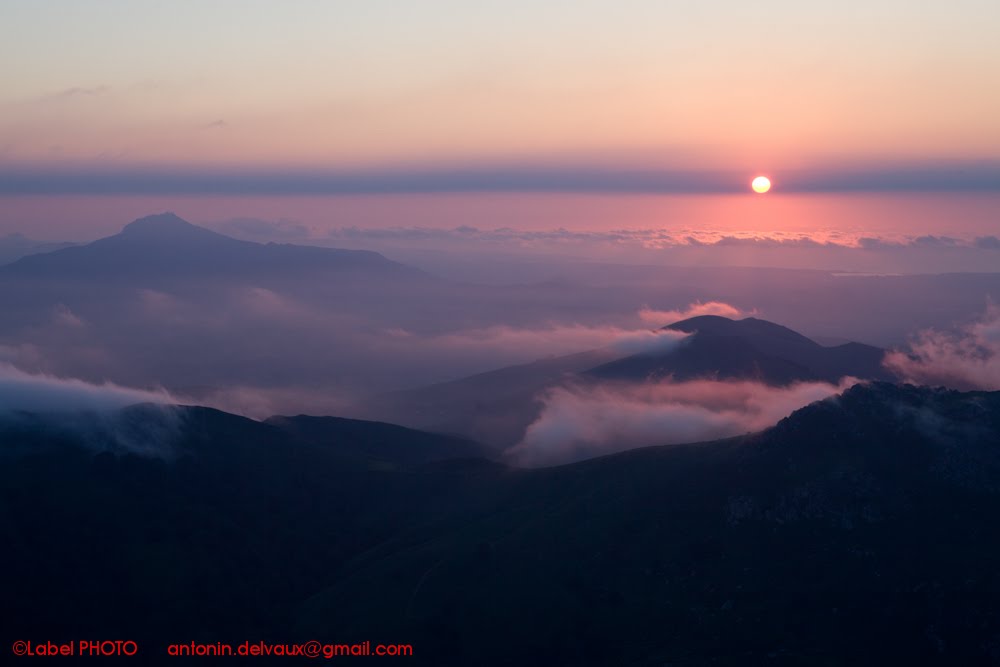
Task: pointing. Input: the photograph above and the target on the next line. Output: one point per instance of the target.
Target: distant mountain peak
(751, 348)
(749, 326)
(163, 225)
(166, 246)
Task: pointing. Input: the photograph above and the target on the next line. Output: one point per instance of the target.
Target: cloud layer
(260, 230)
(967, 360)
(535, 342)
(585, 421)
(852, 250)
(85, 414)
(20, 391)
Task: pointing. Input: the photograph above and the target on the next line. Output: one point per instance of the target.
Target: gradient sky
(865, 92)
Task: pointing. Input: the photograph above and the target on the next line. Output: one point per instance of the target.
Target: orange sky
(772, 86)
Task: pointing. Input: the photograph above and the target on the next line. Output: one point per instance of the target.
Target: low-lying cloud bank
(580, 422)
(26, 392)
(831, 250)
(529, 343)
(85, 413)
(967, 360)
(263, 231)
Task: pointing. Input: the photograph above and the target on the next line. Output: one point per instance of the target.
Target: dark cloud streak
(123, 179)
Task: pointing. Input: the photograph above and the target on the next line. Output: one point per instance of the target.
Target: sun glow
(761, 184)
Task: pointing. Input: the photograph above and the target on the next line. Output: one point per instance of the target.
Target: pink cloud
(665, 317)
(966, 360)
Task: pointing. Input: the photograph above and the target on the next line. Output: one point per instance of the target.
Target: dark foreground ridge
(859, 530)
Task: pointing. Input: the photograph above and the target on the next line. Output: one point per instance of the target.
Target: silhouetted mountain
(748, 349)
(164, 245)
(859, 530)
(173, 432)
(16, 246)
(376, 441)
(258, 512)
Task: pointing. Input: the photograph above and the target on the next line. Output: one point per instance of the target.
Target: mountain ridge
(685, 554)
(165, 245)
(15, 246)
(751, 348)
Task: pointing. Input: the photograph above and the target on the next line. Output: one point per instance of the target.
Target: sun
(761, 184)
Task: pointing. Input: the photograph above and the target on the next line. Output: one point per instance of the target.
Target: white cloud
(579, 422)
(20, 391)
(966, 360)
(63, 316)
